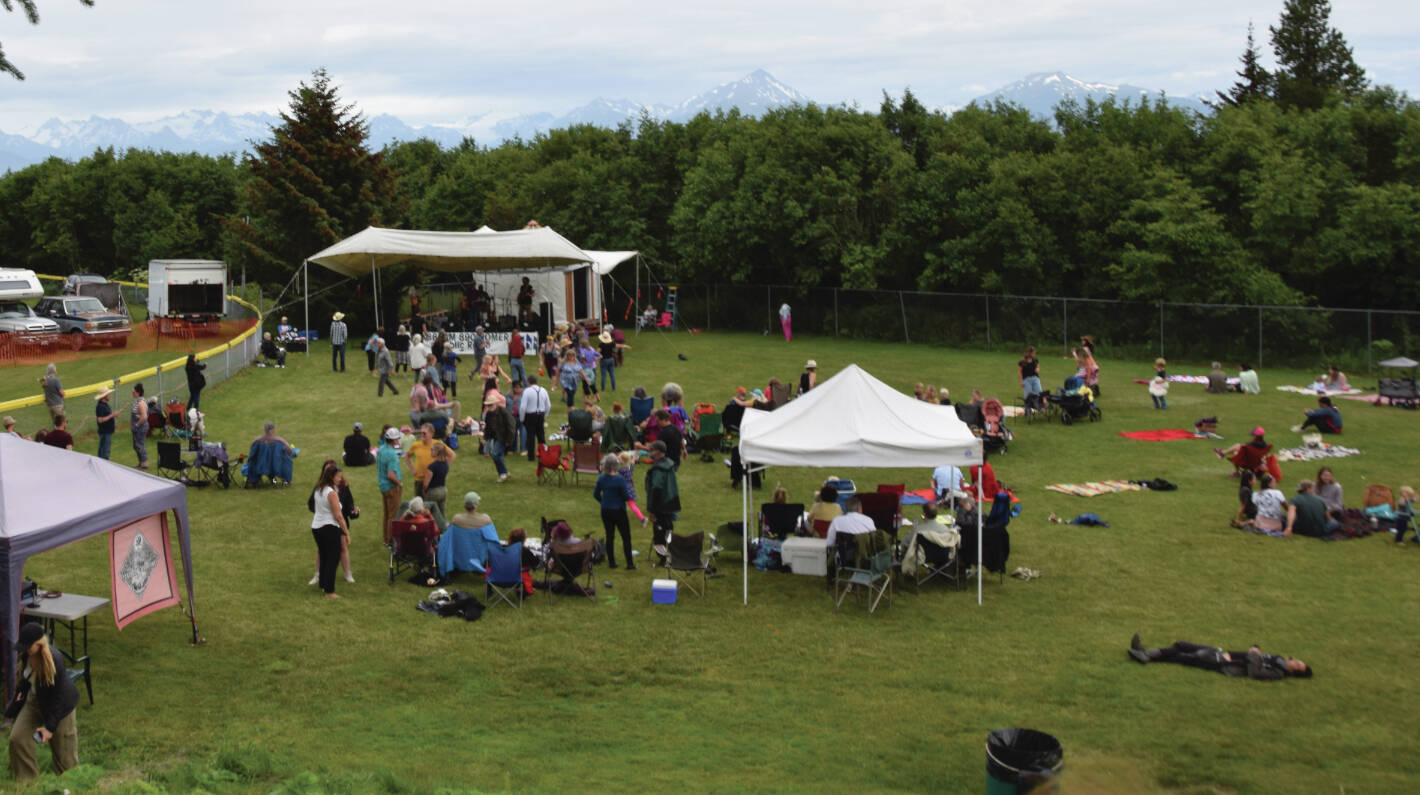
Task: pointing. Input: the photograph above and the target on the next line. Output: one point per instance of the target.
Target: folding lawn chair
(935, 561)
(708, 440)
(550, 464)
(586, 460)
(505, 575)
(573, 563)
(864, 564)
(414, 547)
(780, 519)
(170, 461)
(685, 555)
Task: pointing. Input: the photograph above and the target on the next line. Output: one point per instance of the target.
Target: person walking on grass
(195, 380)
(535, 404)
(786, 321)
(328, 527)
(338, 334)
(499, 432)
(384, 365)
(43, 710)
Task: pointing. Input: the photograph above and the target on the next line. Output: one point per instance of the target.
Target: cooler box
(806, 556)
(663, 592)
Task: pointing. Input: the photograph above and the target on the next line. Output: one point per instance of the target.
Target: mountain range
(216, 132)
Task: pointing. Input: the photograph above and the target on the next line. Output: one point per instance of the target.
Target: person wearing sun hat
(338, 334)
(106, 416)
(43, 709)
(809, 378)
(606, 365)
(499, 432)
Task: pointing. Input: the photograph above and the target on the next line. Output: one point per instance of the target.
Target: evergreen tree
(32, 14)
(1255, 82)
(312, 184)
(1313, 59)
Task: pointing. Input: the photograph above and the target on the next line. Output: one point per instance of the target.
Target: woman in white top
(418, 355)
(328, 526)
(1271, 505)
(786, 321)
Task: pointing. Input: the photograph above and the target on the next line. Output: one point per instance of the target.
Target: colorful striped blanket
(1095, 488)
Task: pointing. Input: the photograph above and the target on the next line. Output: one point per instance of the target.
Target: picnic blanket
(1095, 488)
(1306, 390)
(924, 496)
(1161, 435)
(1363, 398)
(1189, 379)
(1316, 453)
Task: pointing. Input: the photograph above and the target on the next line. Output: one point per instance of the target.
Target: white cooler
(806, 556)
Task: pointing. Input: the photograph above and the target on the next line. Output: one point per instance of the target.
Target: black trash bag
(1023, 756)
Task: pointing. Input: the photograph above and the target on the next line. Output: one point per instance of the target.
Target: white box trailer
(192, 289)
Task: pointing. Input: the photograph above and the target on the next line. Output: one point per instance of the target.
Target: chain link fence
(1274, 336)
(231, 345)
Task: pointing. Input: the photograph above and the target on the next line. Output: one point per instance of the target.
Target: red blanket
(1162, 435)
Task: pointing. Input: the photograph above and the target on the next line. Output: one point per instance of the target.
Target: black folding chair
(685, 555)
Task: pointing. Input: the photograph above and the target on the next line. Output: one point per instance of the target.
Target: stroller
(1075, 401)
(994, 433)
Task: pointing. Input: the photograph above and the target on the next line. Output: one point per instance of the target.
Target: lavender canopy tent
(50, 497)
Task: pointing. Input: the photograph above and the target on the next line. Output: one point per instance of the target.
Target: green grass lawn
(365, 693)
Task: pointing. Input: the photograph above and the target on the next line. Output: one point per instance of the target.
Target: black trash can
(1022, 761)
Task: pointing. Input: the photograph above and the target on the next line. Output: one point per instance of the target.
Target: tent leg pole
(306, 289)
(744, 534)
(980, 577)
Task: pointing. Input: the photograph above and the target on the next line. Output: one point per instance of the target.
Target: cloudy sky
(430, 62)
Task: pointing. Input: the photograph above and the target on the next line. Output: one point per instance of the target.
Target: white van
(17, 286)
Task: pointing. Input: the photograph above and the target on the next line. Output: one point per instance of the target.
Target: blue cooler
(663, 591)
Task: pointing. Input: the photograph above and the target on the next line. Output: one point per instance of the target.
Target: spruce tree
(1254, 81)
(1313, 59)
(32, 14)
(313, 183)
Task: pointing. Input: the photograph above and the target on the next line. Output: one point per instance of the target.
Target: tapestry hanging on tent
(141, 562)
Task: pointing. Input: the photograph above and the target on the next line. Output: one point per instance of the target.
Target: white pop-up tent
(853, 420)
(537, 250)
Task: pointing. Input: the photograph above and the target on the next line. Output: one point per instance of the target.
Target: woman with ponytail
(43, 709)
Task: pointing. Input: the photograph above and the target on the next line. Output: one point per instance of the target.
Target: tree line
(1302, 188)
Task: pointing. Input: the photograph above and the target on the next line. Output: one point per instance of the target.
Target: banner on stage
(497, 342)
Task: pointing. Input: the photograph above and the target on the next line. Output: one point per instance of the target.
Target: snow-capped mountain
(215, 132)
(753, 94)
(1040, 93)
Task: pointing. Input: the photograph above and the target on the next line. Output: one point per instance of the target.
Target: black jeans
(328, 550)
(537, 435)
(664, 525)
(1192, 654)
(614, 519)
(193, 396)
(337, 349)
(385, 382)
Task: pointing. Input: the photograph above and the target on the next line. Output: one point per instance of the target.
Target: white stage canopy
(455, 252)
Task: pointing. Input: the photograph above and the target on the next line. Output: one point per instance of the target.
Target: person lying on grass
(1253, 663)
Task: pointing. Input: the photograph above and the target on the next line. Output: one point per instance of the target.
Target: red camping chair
(665, 321)
(884, 508)
(414, 545)
(550, 463)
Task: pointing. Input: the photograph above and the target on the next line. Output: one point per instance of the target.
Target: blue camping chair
(641, 409)
(466, 549)
(270, 460)
(505, 574)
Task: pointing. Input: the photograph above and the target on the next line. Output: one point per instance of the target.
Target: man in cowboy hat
(607, 363)
(104, 413)
(338, 335)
